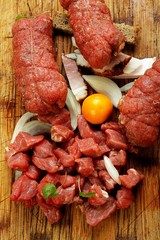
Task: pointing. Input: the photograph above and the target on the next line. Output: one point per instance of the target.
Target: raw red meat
(131, 179)
(90, 148)
(18, 161)
(99, 164)
(124, 197)
(96, 180)
(67, 180)
(95, 215)
(116, 140)
(118, 158)
(65, 195)
(62, 116)
(42, 88)
(75, 168)
(49, 164)
(24, 189)
(98, 199)
(86, 131)
(140, 108)
(108, 181)
(24, 142)
(67, 160)
(96, 37)
(43, 149)
(30, 203)
(84, 166)
(74, 150)
(32, 172)
(60, 133)
(52, 213)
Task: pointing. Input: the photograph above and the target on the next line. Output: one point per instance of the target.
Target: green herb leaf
(86, 195)
(20, 16)
(49, 191)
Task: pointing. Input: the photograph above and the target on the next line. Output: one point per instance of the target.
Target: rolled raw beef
(96, 37)
(41, 86)
(140, 108)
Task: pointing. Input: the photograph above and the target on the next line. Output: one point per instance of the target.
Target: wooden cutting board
(142, 220)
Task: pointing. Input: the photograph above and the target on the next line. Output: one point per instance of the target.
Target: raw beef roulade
(96, 36)
(41, 86)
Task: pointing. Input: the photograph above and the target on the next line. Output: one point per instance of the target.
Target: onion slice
(74, 42)
(127, 86)
(20, 124)
(105, 194)
(111, 169)
(105, 86)
(36, 127)
(74, 108)
(136, 68)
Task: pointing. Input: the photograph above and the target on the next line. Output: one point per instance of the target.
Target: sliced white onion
(74, 42)
(136, 68)
(36, 127)
(71, 56)
(20, 124)
(17, 174)
(74, 108)
(81, 61)
(126, 87)
(111, 169)
(105, 194)
(77, 51)
(105, 86)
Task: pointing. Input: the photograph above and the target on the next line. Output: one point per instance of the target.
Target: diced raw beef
(67, 180)
(108, 181)
(131, 179)
(49, 164)
(95, 215)
(124, 197)
(49, 178)
(19, 161)
(60, 133)
(61, 117)
(96, 180)
(23, 189)
(65, 195)
(73, 149)
(43, 149)
(98, 199)
(24, 142)
(85, 166)
(116, 140)
(99, 164)
(30, 203)
(112, 125)
(86, 131)
(52, 213)
(118, 158)
(90, 148)
(32, 172)
(66, 159)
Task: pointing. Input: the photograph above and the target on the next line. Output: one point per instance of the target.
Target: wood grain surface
(142, 220)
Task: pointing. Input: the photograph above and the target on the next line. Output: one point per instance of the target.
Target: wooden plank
(141, 220)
